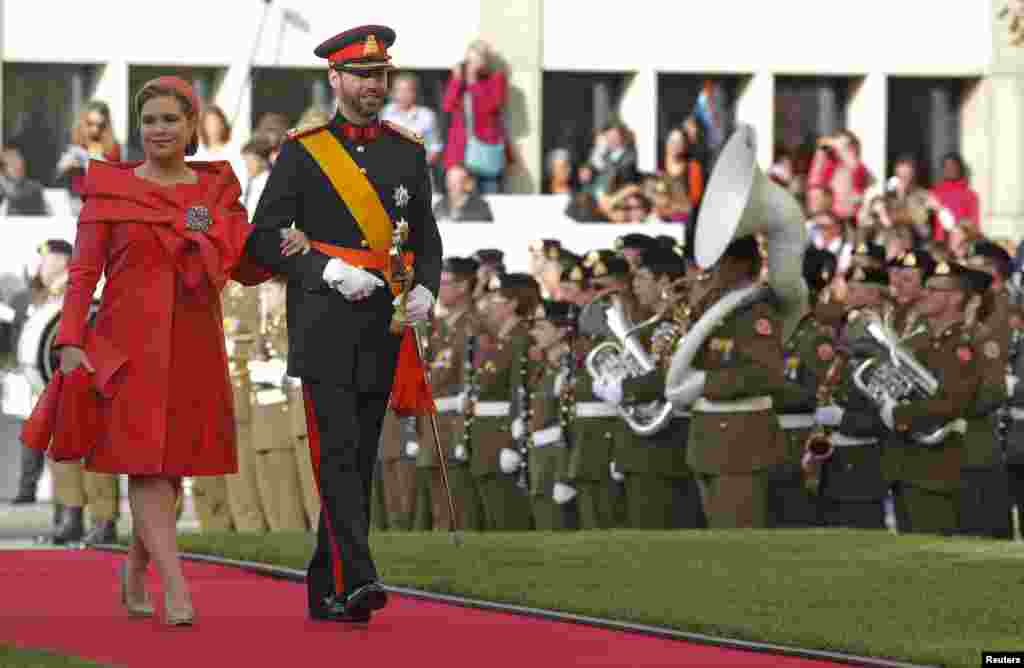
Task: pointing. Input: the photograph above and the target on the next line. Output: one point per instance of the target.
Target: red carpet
(67, 601)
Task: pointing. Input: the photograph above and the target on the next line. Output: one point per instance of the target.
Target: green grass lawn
(12, 657)
(911, 598)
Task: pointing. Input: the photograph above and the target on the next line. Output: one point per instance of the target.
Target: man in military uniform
(734, 436)
(502, 389)
(853, 488)
(398, 450)
(926, 476)
(241, 308)
(347, 185)
(985, 501)
(552, 497)
(273, 439)
(661, 490)
(907, 275)
(491, 263)
(631, 247)
(450, 370)
(809, 353)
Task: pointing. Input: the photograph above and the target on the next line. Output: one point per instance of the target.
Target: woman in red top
(486, 89)
(167, 235)
(92, 138)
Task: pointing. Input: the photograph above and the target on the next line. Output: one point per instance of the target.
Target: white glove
(563, 493)
(829, 416)
(691, 389)
(886, 412)
(419, 304)
(460, 453)
(412, 448)
(1011, 384)
(509, 460)
(353, 283)
(608, 390)
(518, 427)
(617, 476)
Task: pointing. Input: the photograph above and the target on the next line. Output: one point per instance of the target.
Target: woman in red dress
(167, 235)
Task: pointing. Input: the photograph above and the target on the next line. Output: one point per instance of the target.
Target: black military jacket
(330, 338)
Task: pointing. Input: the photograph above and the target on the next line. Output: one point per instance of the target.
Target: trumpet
(818, 446)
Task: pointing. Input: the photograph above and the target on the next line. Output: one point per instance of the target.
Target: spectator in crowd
(403, 110)
(669, 199)
(629, 205)
(214, 137)
(19, 195)
(256, 154)
(559, 166)
(461, 203)
(681, 167)
(475, 98)
(837, 164)
(700, 153)
(612, 163)
(954, 194)
(92, 138)
(274, 126)
(818, 199)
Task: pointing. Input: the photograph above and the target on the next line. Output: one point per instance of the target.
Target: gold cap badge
(576, 274)
(371, 48)
(600, 269)
(943, 269)
(910, 260)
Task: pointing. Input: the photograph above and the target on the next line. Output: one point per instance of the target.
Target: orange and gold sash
(352, 186)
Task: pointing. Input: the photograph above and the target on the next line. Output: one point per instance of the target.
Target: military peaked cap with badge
(613, 267)
(660, 260)
(491, 257)
(559, 313)
(868, 275)
(867, 252)
(361, 49)
(915, 259)
(970, 280)
(634, 241)
(549, 248)
(995, 254)
(575, 273)
(464, 267)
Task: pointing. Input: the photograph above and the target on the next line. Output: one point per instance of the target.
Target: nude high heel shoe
(135, 608)
(180, 617)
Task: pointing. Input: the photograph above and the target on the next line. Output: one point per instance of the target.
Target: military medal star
(401, 196)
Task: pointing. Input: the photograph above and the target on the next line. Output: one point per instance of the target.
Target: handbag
(482, 158)
(65, 421)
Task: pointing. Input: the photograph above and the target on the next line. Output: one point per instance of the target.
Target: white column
(112, 88)
(755, 105)
(866, 116)
(1005, 198)
(976, 141)
(514, 29)
(1, 67)
(638, 109)
(234, 96)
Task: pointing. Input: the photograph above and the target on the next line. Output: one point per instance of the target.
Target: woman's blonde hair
(485, 50)
(78, 132)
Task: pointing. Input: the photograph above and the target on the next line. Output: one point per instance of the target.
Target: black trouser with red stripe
(344, 434)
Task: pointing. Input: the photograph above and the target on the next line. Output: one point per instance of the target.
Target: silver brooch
(197, 218)
(401, 196)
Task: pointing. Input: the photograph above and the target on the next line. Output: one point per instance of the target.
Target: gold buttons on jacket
(364, 243)
(360, 148)
(723, 425)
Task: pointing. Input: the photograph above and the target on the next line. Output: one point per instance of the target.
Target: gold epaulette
(403, 132)
(298, 133)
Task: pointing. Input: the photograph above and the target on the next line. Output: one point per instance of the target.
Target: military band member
(447, 350)
(631, 247)
(545, 265)
(734, 436)
(274, 442)
(985, 501)
(926, 478)
(907, 275)
(808, 354)
(551, 495)
(398, 449)
(574, 284)
(492, 263)
(241, 307)
(347, 185)
(502, 366)
(661, 491)
(853, 488)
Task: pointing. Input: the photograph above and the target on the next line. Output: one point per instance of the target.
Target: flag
(710, 109)
(295, 19)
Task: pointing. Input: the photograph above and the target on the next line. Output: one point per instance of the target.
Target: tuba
(740, 201)
(623, 358)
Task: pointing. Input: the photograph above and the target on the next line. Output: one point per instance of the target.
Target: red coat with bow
(157, 342)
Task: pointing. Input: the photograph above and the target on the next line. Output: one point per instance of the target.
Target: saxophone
(818, 446)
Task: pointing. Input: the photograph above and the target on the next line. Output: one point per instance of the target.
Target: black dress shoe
(104, 533)
(333, 610)
(369, 597)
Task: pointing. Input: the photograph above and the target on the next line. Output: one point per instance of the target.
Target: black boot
(103, 533)
(72, 529)
(58, 515)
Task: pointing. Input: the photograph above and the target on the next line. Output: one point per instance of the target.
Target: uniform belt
(755, 404)
(797, 421)
(549, 436)
(492, 408)
(360, 257)
(448, 404)
(595, 409)
(841, 440)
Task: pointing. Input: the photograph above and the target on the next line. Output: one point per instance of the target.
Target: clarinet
(472, 390)
(1005, 421)
(524, 394)
(567, 397)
